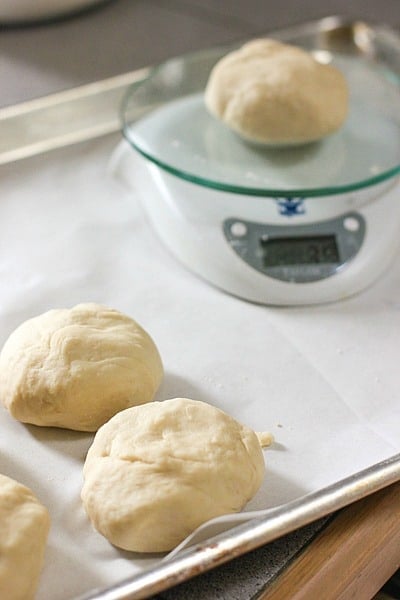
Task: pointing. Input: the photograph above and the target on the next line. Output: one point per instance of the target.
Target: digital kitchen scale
(300, 225)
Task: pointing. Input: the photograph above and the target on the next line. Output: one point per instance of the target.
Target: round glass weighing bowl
(165, 119)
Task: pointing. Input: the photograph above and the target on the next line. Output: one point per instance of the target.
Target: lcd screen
(301, 250)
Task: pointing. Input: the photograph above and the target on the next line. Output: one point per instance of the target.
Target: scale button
(351, 224)
(238, 229)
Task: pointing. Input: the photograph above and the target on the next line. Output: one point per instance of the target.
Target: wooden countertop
(352, 558)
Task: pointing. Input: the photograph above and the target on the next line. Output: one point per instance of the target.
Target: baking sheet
(323, 379)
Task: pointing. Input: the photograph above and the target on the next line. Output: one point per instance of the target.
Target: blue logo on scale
(291, 207)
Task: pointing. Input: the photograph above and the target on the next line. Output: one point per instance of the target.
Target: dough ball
(273, 93)
(156, 472)
(75, 368)
(24, 526)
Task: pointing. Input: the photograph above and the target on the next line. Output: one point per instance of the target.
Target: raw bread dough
(75, 368)
(24, 526)
(265, 438)
(274, 93)
(154, 473)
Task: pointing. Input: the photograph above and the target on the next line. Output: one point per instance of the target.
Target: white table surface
(123, 35)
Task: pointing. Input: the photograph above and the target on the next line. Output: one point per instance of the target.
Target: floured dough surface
(154, 473)
(277, 94)
(24, 526)
(75, 368)
(265, 438)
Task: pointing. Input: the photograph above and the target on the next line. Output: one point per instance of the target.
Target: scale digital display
(300, 250)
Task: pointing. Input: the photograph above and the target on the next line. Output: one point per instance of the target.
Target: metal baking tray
(92, 111)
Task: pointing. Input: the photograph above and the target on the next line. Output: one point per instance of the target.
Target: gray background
(122, 35)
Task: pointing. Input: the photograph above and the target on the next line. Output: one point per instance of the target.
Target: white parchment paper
(324, 380)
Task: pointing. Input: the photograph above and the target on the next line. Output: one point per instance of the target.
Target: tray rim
(241, 539)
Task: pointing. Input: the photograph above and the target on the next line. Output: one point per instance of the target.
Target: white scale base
(189, 220)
